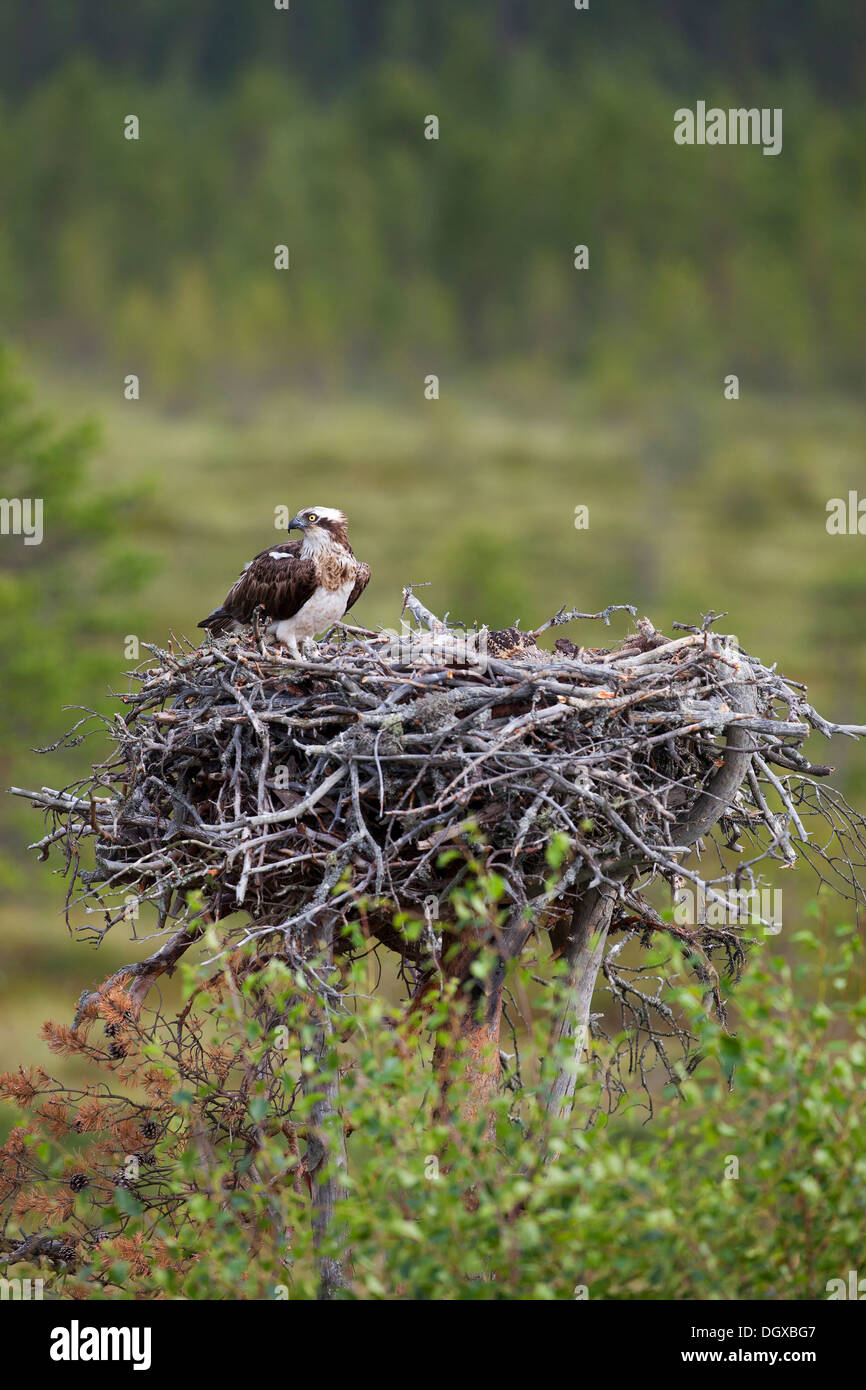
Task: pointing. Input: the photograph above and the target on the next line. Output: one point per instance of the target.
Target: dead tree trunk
(583, 954)
(584, 946)
(326, 1159)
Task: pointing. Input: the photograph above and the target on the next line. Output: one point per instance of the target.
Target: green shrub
(745, 1180)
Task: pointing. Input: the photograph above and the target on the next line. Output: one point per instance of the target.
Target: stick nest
(251, 785)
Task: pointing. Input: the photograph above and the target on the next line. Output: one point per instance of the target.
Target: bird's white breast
(325, 607)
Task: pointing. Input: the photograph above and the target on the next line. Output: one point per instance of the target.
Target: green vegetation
(64, 599)
(410, 255)
(749, 1184)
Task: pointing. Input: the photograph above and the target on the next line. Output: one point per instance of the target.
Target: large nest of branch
(277, 788)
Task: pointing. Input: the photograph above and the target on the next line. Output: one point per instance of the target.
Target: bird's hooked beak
(297, 523)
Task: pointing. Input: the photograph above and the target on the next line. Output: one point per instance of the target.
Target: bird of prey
(302, 586)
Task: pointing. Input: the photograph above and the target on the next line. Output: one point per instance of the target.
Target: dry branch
(267, 792)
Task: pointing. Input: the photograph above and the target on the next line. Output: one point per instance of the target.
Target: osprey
(303, 586)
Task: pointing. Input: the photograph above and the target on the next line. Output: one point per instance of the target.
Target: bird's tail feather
(217, 622)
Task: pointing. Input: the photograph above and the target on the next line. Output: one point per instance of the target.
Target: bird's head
(321, 526)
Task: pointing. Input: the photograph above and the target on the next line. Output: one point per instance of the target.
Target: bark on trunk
(583, 954)
(326, 1159)
(593, 911)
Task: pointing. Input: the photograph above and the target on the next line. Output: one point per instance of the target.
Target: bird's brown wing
(362, 579)
(278, 579)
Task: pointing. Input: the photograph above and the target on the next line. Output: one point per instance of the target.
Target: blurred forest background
(559, 387)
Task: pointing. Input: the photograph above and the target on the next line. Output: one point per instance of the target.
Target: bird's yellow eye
(311, 516)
